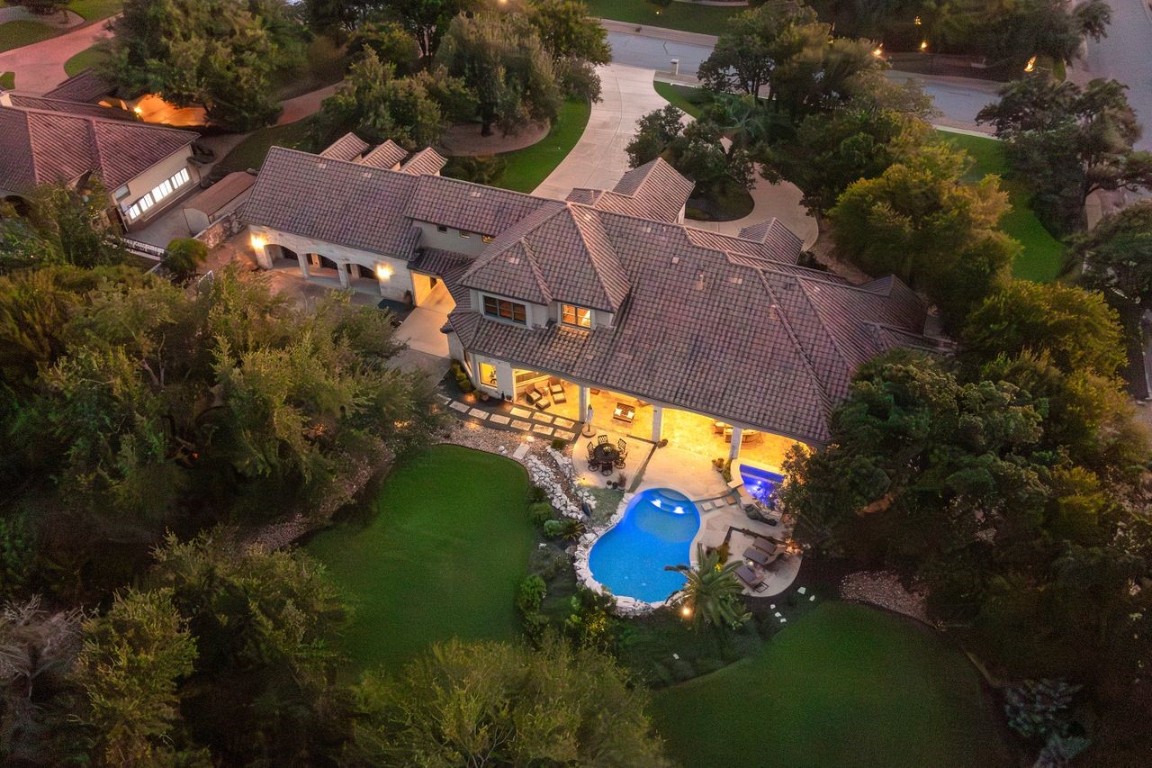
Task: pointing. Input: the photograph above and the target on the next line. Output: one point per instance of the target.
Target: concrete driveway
(598, 160)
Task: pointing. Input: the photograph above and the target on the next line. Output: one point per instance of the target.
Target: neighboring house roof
(426, 161)
(749, 340)
(387, 155)
(653, 191)
(782, 250)
(32, 101)
(335, 201)
(86, 86)
(44, 146)
(559, 253)
(347, 147)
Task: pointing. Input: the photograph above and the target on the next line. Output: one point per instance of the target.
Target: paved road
(1126, 55)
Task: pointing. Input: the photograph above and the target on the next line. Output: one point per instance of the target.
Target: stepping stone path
(514, 419)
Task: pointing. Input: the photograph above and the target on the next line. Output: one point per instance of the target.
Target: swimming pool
(657, 530)
(760, 483)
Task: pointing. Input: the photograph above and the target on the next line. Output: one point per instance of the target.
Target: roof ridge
(600, 279)
(817, 309)
(94, 118)
(782, 317)
(545, 289)
(97, 154)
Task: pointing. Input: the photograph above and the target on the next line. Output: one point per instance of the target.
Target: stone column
(304, 270)
(342, 273)
(657, 422)
(734, 449)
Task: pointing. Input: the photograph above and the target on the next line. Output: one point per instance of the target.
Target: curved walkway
(40, 67)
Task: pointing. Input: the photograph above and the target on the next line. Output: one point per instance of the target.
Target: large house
(52, 140)
(606, 295)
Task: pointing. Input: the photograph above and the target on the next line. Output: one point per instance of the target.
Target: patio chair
(619, 462)
(622, 446)
(602, 440)
(543, 402)
(556, 387)
(749, 578)
(591, 451)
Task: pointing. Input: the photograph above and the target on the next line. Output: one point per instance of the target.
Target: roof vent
(700, 283)
(773, 312)
(321, 165)
(736, 280)
(473, 193)
(675, 259)
(513, 259)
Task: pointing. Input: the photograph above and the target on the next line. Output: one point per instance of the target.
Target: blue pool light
(631, 557)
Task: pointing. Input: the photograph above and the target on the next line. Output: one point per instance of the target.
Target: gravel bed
(883, 589)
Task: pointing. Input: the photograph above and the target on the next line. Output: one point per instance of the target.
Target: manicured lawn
(1043, 254)
(526, 168)
(93, 10)
(250, 152)
(845, 685)
(89, 57)
(14, 34)
(441, 557)
(690, 100)
(7, 80)
(706, 19)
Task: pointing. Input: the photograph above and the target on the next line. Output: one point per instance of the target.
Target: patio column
(734, 449)
(304, 270)
(342, 272)
(583, 402)
(657, 422)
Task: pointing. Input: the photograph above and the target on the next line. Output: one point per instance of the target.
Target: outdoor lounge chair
(532, 396)
(750, 578)
(557, 389)
(767, 546)
(542, 402)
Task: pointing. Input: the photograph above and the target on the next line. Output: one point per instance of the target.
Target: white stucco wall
(432, 237)
(149, 179)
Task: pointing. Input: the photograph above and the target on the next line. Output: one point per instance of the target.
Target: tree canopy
(1116, 255)
(222, 54)
(1067, 142)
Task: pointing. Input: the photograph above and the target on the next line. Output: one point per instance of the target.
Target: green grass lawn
(15, 34)
(1043, 254)
(690, 100)
(89, 57)
(526, 168)
(250, 152)
(706, 19)
(7, 80)
(441, 557)
(845, 685)
(94, 10)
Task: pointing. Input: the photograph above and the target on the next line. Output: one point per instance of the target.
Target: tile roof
(467, 206)
(86, 86)
(444, 264)
(774, 234)
(776, 251)
(386, 155)
(335, 201)
(426, 161)
(221, 193)
(32, 101)
(559, 253)
(45, 146)
(347, 147)
(652, 191)
(752, 341)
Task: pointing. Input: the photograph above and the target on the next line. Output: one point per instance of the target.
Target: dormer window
(486, 238)
(503, 309)
(581, 317)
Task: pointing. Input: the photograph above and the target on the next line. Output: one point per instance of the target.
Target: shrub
(1038, 707)
(531, 594)
(183, 257)
(540, 512)
(536, 493)
(590, 622)
(566, 529)
(482, 169)
(559, 444)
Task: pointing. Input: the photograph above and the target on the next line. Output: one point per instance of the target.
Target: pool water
(760, 483)
(657, 530)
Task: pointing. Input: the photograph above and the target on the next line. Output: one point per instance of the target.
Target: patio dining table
(605, 454)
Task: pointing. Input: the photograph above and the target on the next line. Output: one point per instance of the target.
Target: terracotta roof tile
(425, 162)
(334, 201)
(467, 206)
(44, 146)
(347, 147)
(87, 86)
(387, 155)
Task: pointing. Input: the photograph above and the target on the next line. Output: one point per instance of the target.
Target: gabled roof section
(387, 155)
(334, 201)
(45, 146)
(653, 191)
(559, 253)
(776, 235)
(87, 86)
(425, 162)
(347, 147)
(79, 108)
(770, 251)
(470, 207)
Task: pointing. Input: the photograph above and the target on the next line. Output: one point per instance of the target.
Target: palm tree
(711, 594)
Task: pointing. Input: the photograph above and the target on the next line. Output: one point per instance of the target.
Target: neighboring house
(145, 168)
(606, 292)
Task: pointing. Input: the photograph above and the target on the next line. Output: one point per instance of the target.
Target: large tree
(753, 45)
(502, 61)
(222, 54)
(921, 222)
(1116, 257)
(1066, 142)
(499, 705)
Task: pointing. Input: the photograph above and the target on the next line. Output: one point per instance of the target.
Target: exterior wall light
(383, 272)
(258, 242)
